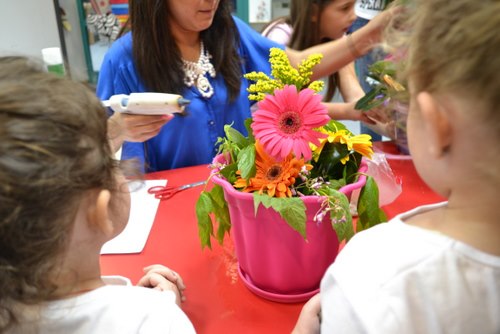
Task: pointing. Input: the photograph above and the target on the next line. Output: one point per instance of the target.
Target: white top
(279, 32)
(398, 278)
(111, 309)
(368, 9)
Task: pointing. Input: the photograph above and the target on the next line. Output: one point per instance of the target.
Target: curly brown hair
(53, 148)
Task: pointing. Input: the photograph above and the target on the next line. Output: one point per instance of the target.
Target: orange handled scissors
(166, 192)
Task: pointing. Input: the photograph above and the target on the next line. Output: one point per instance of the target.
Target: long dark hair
(158, 59)
(306, 32)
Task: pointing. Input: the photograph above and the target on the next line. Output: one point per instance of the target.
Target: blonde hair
(452, 46)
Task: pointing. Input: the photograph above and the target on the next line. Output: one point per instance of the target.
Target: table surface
(217, 300)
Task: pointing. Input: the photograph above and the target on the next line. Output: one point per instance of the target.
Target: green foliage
(385, 89)
(369, 101)
(369, 213)
(229, 172)
(246, 162)
(235, 137)
(292, 210)
(329, 165)
(340, 217)
(334, 165)
(212, 202)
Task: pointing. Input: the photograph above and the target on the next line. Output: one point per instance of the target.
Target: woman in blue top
(195, 48)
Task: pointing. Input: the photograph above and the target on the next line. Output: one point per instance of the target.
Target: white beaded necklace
(194, 73)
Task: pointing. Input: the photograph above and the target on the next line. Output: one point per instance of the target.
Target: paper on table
(142, 215)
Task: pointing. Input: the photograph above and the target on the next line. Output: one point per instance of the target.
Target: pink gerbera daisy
(285, 122)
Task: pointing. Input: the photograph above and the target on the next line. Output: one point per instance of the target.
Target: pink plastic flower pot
(275, 262)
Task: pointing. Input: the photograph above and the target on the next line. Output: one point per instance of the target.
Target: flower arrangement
(292, 150)
(387, 102)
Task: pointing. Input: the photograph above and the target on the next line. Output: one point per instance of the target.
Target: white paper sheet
(142, 215)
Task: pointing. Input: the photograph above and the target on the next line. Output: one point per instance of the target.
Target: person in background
(436, 268)
(62, 197)
(199, 50)
(365, 11)
(314, 22)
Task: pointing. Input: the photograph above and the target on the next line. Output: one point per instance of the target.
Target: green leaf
(229, 172)
(221, 212)
(208, 203)
(381, 67)
(369, 213)
(217, 196)
(235, 136)
(340, 215)
(248, 126)
(259, 199)
(351, 168)
(291, 209)
(205, 227)
(344, 229)
(246, 162)
(335, 126)
(329, 165)
(365, 101)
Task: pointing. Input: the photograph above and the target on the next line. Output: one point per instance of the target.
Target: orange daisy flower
(272, 177)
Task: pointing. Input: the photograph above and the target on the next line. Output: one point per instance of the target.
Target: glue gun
(147, 103)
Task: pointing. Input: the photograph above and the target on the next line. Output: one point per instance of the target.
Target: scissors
(162, 192)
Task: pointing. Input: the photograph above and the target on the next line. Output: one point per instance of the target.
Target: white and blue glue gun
(147, 103)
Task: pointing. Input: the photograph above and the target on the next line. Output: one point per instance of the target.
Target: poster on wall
(259, 11)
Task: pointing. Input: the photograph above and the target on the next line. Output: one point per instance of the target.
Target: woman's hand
(161, 278)
(309, 319)
(134, 128)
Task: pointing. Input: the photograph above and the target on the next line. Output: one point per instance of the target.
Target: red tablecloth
(217, 300)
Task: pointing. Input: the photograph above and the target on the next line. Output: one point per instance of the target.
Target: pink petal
(314, 121)
(286, 97)
(306, 151)
(267, 132)
(264, 113)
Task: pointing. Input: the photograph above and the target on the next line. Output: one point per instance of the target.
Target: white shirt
(368, 9)
(279, 32)
(398, 278)
(111, 309)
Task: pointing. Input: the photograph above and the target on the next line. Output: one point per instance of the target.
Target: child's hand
(162, 278)
(309, 318)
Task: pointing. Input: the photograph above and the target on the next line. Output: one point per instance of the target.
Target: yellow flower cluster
(284, 74)
(316, 86)
(305, 69)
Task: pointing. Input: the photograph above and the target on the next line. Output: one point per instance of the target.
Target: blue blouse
(186, 140)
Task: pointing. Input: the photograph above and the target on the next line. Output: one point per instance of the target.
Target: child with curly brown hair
(62, 196)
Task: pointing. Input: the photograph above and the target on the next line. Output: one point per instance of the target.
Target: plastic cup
(52, 59)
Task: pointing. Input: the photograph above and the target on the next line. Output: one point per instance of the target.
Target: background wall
(73, 39)
(27, 26)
